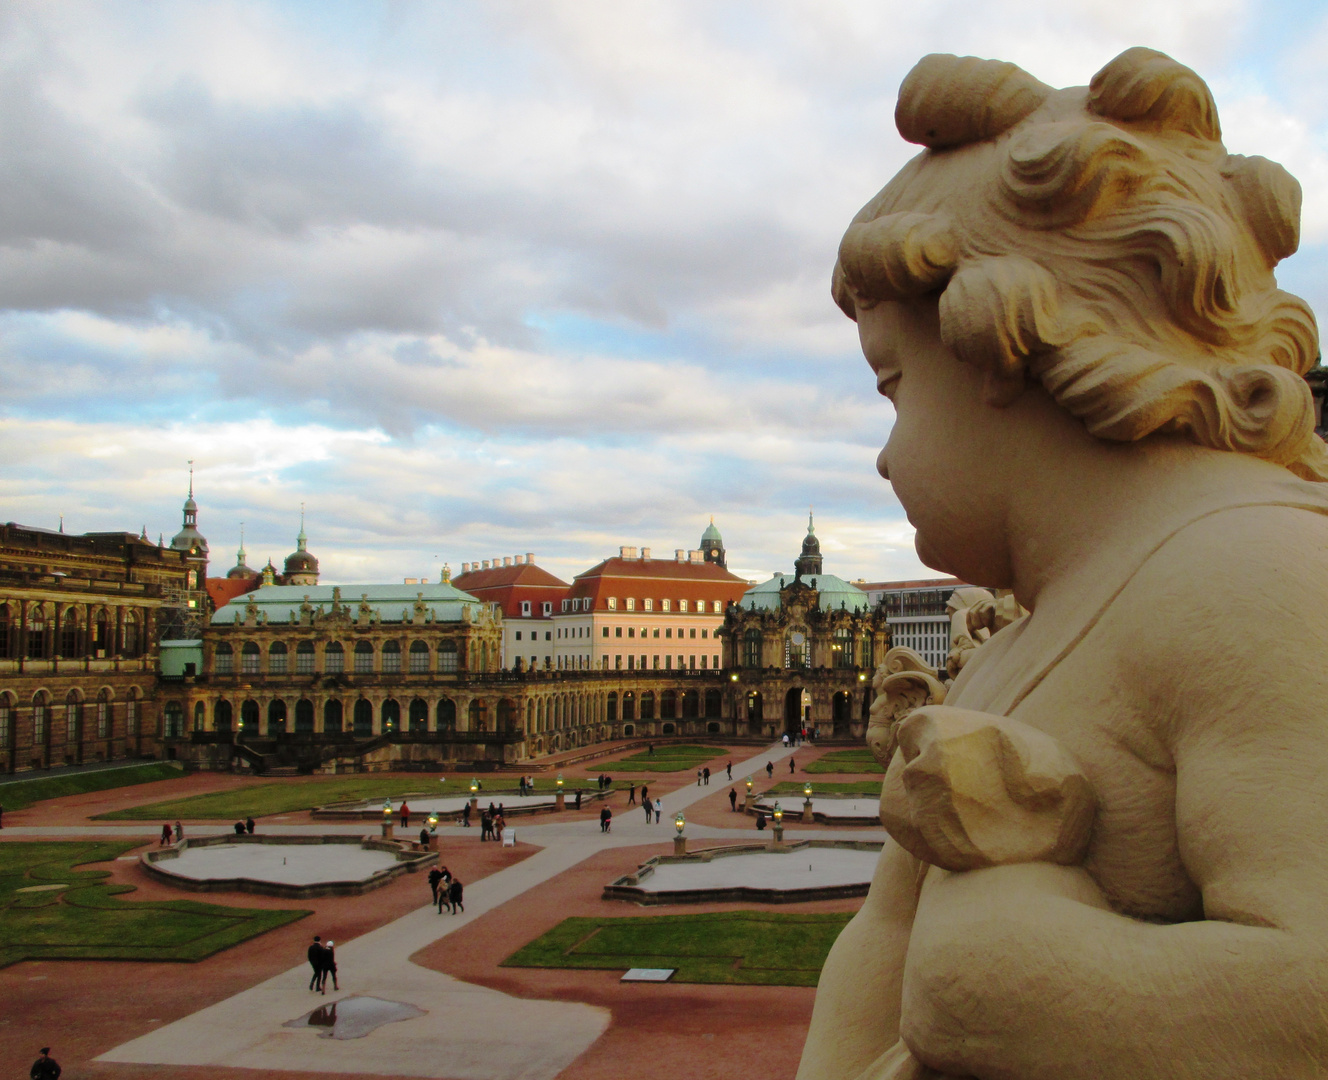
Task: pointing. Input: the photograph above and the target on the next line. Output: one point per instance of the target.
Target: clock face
(798, 639)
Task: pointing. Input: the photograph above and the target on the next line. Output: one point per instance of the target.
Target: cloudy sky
(486, 278)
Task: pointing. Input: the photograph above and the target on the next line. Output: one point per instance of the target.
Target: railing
(351, 740)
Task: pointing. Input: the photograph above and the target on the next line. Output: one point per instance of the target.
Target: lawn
(667, 759)
(853, 787)
(287, 796)
(845, 761)
(735, 947)
(19, 794)
(85, 921)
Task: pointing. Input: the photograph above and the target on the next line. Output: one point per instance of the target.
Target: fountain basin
(753, 873)
(287, 866)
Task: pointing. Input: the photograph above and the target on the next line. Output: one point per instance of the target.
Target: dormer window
(648, 605)
(613, 603)
(682, 605)
(631, 603)
(548, 607)
(525, 608)
(664, 605)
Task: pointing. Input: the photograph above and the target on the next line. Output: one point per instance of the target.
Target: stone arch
(304, 717)
(362, 718)
(419, 714)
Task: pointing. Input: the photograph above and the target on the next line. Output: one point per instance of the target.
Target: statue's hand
(968, 789)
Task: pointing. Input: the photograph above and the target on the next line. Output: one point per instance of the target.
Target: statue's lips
(886, 382)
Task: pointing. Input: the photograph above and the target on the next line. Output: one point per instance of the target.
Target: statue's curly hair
(1104, 243)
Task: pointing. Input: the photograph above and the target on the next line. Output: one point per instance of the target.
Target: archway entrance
(797, 710)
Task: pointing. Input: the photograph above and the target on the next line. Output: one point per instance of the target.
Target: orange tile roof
(507, 586)
(221, 591)
(657, 579)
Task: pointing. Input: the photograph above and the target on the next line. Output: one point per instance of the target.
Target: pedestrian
(486, 825)
(578, 798)
(769, 769)
(45, 1067)
(792, 764)
(698, 777)
(647, 805)
(179, 832)
(733, 799)
(165, 835)
(631, 794)
(492, 809)
(315, 956)
(465, 816)
(435, 876)
(424, 838)
(239, 828)
(730, 769)
(760, 820)
(644, 792)
(605, 816)
(329, 967)
(454, 896)
(249, 825)
(521, 787)
(405, 815)
(498, 826)
(501, 811)
(650, 749)
(659, 807)
(706, 772)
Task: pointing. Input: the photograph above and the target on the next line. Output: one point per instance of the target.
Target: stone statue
(1109, 851)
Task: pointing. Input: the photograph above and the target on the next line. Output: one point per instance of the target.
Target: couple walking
(323, 959)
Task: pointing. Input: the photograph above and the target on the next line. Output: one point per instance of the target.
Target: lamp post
(679, 841)
(807, 817)
(560, 800)
(433, 830)
(387, 818)
(474, 795)
(779, 824)
(749, 800)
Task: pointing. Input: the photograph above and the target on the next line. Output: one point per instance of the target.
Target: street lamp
(779, 823)
(387, 817)
(387, 808)
(560, 781)
(679, 822)
(807, 790)
(748, 782)
(433, 821)
(779, 813)
(679, 841)
(474, 787)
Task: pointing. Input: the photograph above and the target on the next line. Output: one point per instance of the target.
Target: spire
(62, 523)
(301, 541)
(447, 574)
(241, 554)
(811, 526)
(191, 478)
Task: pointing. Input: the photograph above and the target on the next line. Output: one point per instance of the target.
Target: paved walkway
(470, 1033)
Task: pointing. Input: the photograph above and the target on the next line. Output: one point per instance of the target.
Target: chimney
(695, 556)
(507, 560)
(530, 558)
(465, 567)
(520, 560)
(486, 564)
(680, 555)
(645, 554)
(626, 552)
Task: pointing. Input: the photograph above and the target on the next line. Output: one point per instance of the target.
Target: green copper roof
(832, 592)
(390, 603)
(711, 533)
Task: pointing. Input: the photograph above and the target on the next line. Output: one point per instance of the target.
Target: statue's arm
(1019, 971)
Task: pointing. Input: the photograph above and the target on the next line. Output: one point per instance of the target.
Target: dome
(301, 562)
(248, 573)
(711, 533)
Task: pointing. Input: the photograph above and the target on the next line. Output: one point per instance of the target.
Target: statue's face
(947, 454)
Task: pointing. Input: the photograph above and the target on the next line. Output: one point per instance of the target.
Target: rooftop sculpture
(1107, 856)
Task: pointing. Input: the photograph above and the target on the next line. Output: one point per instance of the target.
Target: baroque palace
(112, 647)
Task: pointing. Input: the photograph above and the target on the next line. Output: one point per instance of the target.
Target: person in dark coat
(435, 876)
(239, 828)
(631, 795)
(454, 896)
(424, 838)
(486, 825)
(769, 769)
(249, 825)
(465, 816)
(165, 835)
(578, 798)
(605, 819)
(45, 1067)
(760, 820)
(729, 768)
(316, 956)
(329, 967)
(733, 799)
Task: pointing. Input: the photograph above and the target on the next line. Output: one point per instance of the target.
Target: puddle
(354, 1017)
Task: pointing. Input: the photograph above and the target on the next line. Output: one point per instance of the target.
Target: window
(249, 656)
(842, 649)
(567, 605)
(681, 663)
(613, 603)
(705, 633)
(304, 658)
(631, 631)
(631, 603)
(547, 607)
(276, 658)
(224, 659)
(700, 606)
(647, 605)
(72, 709)
(174, 720)
(548, 635)
(69, 636)
(38, 724)
(617, 631)
(682, 605)
(717, 607)
(518, 635)
(447, 658)
(129, 636)
(692, 632)
(714, 662)
(654, 662)
(4, 630)
(5, 723)
(419, 657)
(332, 714)
(664, 605)
(668, 663)
(131, 717)
(606, 632)
(334, 658)
(751, 649)
(104, 716)
(525, 608)
(36, 633)
(617, 663)
(691, 662)
(703, 661)
(392, 657)
(364, 658)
